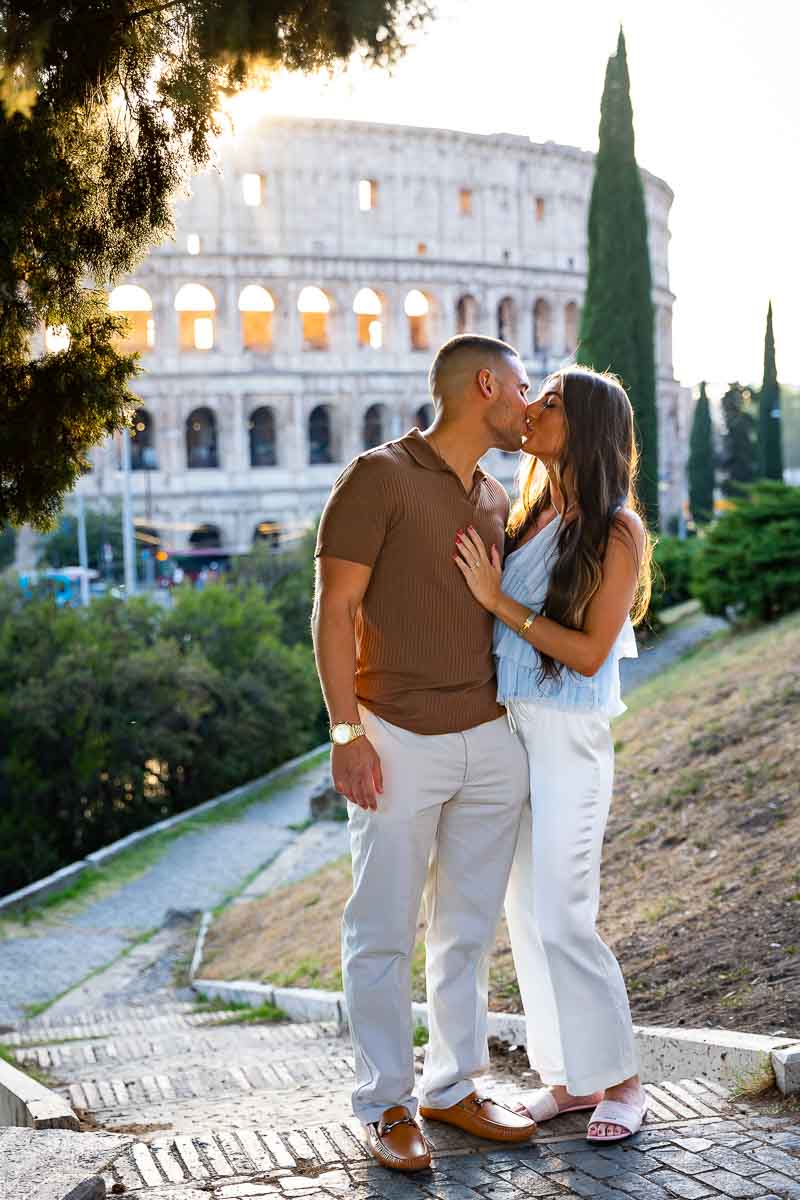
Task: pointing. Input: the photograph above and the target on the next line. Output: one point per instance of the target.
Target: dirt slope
(701, 876)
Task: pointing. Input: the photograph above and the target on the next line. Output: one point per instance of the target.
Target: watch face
(341, 734)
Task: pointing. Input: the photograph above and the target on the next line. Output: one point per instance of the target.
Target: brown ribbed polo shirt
(424, 645)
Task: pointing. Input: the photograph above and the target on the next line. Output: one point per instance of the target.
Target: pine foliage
(770, 453)
(617, 324)
(104, 108)
(701, 462)
(739, 439)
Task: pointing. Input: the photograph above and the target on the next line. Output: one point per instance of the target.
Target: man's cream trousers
(578, 1019)
(447, 824)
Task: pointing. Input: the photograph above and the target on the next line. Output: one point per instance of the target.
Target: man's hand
(357, 772)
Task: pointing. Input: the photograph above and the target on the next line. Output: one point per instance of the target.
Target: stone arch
(368, 307)
(195, 306)
(375, 426)
(466, 314)
(417, 307)
(143, 444)
(256, 308)
(506, 320)
(320, 435)
(201, 439)
(314, 305)
(206, 537)
(261, 429)
(134, 303)
(268, 531)
(542, 326)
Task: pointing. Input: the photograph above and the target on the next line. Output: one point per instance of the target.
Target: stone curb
(25, 1102)
(732, 1058)
(42, 888)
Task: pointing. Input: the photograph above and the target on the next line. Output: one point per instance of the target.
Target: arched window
(368, 308)
(542, 327)
(505, 320)
(268, 531)
(570, 327)
(424, 416)
(206, 537)
(133, 303)
(315, 308)
(201, 439)
(143, 449)
(417, 309)
(195, 307)
(319, 435)
(263, 451)
(466, 314)
(375, 430)
(256, 307)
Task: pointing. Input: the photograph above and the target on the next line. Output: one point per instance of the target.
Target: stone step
(198, 1080)
(130, 1021)
(329, 1156)
(80, 1055)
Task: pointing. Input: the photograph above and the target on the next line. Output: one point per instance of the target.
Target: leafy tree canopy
(104, 108)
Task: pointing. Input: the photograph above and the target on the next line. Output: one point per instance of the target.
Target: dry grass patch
(701, 876)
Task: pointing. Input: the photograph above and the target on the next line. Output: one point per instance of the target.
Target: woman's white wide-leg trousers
(578, 1019)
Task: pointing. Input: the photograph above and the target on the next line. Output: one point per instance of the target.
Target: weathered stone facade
(488, 232)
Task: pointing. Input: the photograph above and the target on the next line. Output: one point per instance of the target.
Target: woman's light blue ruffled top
(525, 578)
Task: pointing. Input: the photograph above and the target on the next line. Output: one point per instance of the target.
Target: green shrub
(748, 564)
(672, 569)
(116, 716)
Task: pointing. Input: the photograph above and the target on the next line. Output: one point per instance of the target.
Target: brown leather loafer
(485, 1118)
(397, 1141)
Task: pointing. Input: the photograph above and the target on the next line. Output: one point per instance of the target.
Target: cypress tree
(739, 440)
(770, 455)
(617, 325)
(701, 462)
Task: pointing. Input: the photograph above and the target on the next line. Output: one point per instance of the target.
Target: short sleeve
(355, 519)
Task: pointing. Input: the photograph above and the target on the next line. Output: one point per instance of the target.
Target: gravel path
(666, 649)
(197, 871)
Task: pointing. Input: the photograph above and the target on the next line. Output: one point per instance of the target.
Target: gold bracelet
(526, 624)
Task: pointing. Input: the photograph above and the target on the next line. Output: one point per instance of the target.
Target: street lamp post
(128, 546)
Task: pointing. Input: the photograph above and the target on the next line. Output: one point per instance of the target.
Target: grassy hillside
(701, 876)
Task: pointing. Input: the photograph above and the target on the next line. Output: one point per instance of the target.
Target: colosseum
(313, 273)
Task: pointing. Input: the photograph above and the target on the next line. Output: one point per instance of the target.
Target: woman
(577, 567)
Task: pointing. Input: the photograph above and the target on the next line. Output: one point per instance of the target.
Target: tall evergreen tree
(617, 325)
(701, 462)
(770, 452)
(739, 440)
(104, 109)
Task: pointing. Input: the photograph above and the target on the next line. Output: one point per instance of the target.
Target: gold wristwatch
(343, 733)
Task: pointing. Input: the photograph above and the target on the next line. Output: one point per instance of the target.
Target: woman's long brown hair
(596, 475)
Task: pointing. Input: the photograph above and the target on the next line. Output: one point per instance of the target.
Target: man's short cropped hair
(493, 348)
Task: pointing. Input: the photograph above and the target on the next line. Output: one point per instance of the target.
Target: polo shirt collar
(423, 453)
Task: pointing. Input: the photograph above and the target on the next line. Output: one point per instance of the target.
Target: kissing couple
(468, 652)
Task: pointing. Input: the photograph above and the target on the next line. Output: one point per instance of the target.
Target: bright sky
(717, 114)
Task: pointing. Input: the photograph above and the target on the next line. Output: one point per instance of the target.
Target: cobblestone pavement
(233, 1112)
(666, 649)
(197, 871)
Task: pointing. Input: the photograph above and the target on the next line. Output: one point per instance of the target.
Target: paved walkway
(197, 871)
(666, 649)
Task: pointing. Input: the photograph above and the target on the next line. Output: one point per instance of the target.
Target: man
(421, 748)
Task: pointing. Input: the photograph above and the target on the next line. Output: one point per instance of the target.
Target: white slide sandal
(541, 1105)
(615, 1112)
